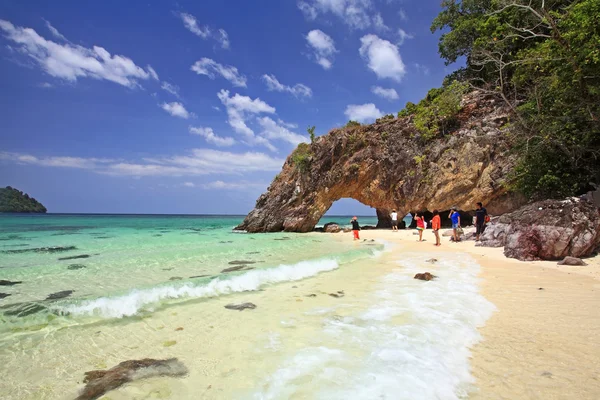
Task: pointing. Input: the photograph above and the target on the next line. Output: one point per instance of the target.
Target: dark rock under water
(74, 257)
(60, 295)
(76, 266)
(101, 381)
(241, 307)
(54, 249)
(3, 295)
(9, 283)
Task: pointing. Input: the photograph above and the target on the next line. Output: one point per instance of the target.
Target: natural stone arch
(388, 165)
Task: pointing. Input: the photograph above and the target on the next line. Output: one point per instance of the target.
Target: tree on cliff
(15, 201)
(543, 58)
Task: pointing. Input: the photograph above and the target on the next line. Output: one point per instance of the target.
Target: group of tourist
(481, 219)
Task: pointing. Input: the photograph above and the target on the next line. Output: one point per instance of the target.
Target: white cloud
(173, 89)
(196, 162)
(354, 13)
(189, 184)
(46, 85)
(70, 62)
(223, 38)
(323, 47)
(55, 31)
(298, 90)
(287, 124)
(383, 57)
(389, 94)
(239, 109)
(176, 109)
(272, 130)
(422, 69)
(244, 185)
(211, 137)
(211, 68)
(402, 14)
(403, 36)
(379, 24)
(191, 24)
(362, 112)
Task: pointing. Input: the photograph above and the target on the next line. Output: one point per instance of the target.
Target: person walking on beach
(481, 218)
(355, 228)
(420, 225)
(455, 218)
(436, 224)
(394, 216)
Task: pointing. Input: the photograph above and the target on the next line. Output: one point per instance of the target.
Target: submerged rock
(432, 260)
(54, 249)
(546, 230)
(9, 283)
(238, 268)
(426, 276)
(3, 295)
(175, 278)
(572, 261)
(76, 266)
(60, 295)
(198, 276)
(74, 257)
(340, 293)
(241, 307)
(24, 309)
(101, 381)
(241, 262)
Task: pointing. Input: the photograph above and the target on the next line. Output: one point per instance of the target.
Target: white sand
(540, 344)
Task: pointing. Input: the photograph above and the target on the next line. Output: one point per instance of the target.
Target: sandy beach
(543, 341)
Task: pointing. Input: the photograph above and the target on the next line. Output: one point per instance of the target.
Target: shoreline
(539, 343)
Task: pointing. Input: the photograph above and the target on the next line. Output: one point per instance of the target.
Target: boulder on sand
(546, 230)
(331, 227)
(571, 261)
(426, 276)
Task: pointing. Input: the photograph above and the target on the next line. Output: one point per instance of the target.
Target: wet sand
(543, 342)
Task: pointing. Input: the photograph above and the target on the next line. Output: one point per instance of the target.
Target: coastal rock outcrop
(101, 381)
(546, 230)
(390, 165)
(331, 227)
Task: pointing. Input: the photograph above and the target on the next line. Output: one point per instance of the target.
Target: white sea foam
(412, 342)
(136, 300)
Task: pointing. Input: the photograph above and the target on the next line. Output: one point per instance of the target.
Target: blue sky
(192, 107)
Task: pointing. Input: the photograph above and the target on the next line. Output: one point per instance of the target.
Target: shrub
(301, 157)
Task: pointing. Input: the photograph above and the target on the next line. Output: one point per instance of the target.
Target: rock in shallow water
(243, 267)
(9, 283)
(74, 257)
(241, 307)
(76, 266)
(100, 382)
(54, 249)
(60, 295)
(241, 262)
(3, 295)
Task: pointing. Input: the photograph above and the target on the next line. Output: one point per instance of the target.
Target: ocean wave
(137, 300)
(411, 342)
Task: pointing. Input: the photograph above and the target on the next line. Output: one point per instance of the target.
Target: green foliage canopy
(15, 201)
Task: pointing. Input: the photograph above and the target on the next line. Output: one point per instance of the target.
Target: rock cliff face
(547, 230)
(388, 165)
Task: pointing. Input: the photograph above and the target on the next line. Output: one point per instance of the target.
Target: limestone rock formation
(388, 165)
(546, 230)
(331, 227)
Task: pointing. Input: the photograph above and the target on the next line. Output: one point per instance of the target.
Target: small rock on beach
(240, 307)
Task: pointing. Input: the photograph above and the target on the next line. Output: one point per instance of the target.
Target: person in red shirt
(420, 225)
(436, 224)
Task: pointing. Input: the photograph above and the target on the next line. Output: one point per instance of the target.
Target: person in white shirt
(394, 216)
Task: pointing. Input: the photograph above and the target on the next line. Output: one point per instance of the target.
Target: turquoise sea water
(122, 265)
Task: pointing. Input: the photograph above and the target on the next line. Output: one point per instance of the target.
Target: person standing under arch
(355, 228)
(436, 224)
(455, 218)
(481, 218)
(394, 216)
(420, 225)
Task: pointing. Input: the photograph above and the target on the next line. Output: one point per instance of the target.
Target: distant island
(15, 201)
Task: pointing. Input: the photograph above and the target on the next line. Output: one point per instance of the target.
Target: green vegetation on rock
(15, 201)
(542, 58)
(301, 157)
(436, 114)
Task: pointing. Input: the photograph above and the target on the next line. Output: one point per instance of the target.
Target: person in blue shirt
(455, 218)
